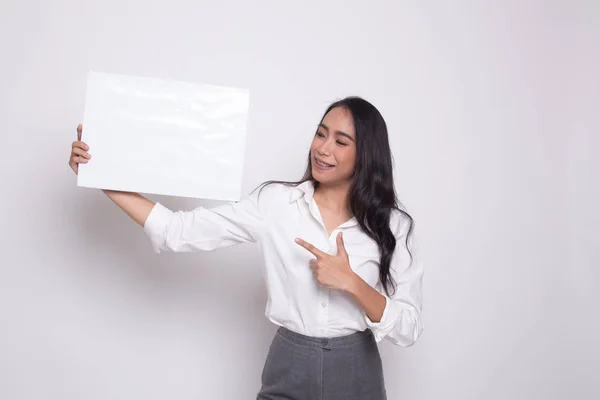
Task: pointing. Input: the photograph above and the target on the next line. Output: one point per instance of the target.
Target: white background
(493, 114)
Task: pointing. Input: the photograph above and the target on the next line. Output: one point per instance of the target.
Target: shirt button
(323, 305)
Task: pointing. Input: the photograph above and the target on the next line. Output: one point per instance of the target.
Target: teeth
(322, 164)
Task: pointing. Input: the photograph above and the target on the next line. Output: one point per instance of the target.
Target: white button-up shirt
(274, 218)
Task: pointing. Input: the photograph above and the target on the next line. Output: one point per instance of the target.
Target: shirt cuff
(156, 224)
(382, 328)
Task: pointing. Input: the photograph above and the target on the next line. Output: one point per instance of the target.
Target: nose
(323, 152)
(325, 149)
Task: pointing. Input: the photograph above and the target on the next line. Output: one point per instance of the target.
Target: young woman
(336, 246)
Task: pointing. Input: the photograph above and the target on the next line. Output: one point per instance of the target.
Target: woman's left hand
(333, 272)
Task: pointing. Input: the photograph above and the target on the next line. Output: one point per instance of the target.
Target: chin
(329, 181)
(318, 176)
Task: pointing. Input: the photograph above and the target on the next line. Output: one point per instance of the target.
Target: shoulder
(272, 195)
(403, 228)
(401, 223)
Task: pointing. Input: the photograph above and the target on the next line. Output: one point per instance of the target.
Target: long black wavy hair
(372, 197)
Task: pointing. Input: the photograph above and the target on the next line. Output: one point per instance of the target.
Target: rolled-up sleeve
(401, 322)
(205, 229)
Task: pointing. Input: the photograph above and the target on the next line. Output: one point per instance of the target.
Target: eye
(319, 134)
(341, 143)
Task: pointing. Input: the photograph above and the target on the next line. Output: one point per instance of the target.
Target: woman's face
(333, 149)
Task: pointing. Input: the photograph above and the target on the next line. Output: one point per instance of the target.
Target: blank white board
(164, 137)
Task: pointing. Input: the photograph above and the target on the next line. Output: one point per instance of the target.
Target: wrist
(354, 284)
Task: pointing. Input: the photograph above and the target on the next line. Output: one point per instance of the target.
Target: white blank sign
(164, 137)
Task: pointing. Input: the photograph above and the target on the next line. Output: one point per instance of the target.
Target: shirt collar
(307, 190)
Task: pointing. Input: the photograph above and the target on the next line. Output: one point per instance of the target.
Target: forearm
(133, 204)
(369, 299)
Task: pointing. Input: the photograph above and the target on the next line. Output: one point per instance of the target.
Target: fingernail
(297, 240)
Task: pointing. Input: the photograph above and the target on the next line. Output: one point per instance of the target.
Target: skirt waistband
(329, 342)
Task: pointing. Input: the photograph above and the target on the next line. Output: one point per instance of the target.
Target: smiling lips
(321, 165)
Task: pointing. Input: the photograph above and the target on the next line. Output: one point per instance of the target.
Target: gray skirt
(300, 367)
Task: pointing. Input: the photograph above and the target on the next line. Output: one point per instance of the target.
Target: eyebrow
(322, 125)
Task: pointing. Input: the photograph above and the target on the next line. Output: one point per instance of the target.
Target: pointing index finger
(318, 253)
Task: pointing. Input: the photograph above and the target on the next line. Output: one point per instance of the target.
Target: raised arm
(200, 229)
(133, 204)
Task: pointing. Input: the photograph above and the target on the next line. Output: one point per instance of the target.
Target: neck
(333, 197)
